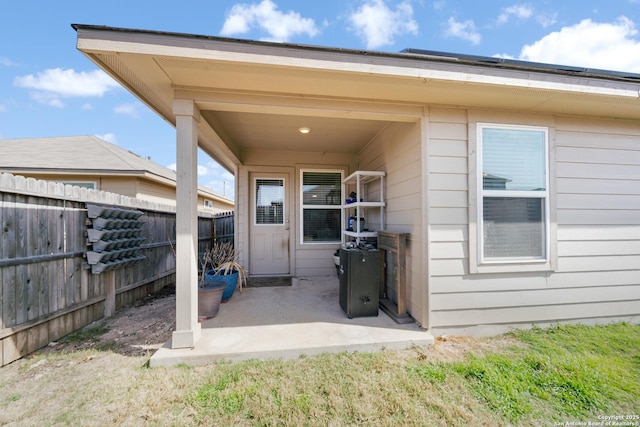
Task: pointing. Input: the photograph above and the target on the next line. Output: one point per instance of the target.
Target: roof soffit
(195, 76)
(224, 76)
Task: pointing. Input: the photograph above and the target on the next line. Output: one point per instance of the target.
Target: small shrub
(85, 334)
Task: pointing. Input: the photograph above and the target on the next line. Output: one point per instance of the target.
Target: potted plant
(220, 263)
(210, 287)
(209, 292)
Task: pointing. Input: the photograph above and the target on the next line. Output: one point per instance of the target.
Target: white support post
(188, 329)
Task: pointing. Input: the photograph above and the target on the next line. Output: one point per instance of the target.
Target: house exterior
(89, 161)
(518, 183)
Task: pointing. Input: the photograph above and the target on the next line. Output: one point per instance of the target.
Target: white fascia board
(147, 44)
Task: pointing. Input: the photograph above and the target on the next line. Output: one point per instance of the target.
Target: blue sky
(48, 88)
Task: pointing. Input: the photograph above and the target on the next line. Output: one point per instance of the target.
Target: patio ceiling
(255, 131)
(255, 96)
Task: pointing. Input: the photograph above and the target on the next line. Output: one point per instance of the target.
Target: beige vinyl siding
(316, 261)
(599, 197)
(597, 201)
(155, 192)
(448, 195)
(397, 151)
(120, 185)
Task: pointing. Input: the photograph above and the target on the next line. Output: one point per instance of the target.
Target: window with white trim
(321, 196)
(513, 193)
(82, 184)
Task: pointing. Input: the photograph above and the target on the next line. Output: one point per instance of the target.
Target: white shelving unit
(361, 179)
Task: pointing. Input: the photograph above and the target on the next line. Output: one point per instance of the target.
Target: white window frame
(82, 184)
(480, 264)
(337, 207)
(208, 203)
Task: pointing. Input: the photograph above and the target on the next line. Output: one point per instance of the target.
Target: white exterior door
(269, 234)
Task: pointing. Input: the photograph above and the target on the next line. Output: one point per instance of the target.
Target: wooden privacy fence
(223, 227)
(47, 289)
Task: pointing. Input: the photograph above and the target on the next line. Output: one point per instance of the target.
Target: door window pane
(269, 201)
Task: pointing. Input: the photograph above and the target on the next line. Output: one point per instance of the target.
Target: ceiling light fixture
(304, 130)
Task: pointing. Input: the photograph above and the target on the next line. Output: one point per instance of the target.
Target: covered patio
(288, 322)
(244, 103)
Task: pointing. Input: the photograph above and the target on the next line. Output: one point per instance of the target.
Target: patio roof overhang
(255, 95)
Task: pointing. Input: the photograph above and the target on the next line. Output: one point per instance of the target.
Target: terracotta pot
(209, 298)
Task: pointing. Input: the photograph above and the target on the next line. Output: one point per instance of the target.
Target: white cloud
(203, 170)
(68, 83)
(547, 19)
(223, 187)
(519, 11)
(503, 56)
(48, 98)
(265, 16)
(7, 62)
(465, 30)
(610, 46)
(3, 108)
(54, 84)
(109, 137)
(173, 167)
(128, 109)
(378, 25)
(216, 178)
(87, 106)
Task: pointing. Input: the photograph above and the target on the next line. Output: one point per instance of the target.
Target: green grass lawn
(539, 377)
(556, 375)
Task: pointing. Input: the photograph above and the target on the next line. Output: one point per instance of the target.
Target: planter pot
(231, 281)
(209, 298)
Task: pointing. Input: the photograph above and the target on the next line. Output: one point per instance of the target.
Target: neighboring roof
(85, 154)
(77, 154)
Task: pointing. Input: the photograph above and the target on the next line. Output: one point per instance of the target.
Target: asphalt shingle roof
(87, 154)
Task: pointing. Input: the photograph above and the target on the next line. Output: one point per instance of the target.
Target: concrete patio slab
(289, 322)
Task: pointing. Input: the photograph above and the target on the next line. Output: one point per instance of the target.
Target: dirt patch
(453, 349)
(133, 331)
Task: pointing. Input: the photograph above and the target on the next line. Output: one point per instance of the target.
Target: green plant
(86, 334)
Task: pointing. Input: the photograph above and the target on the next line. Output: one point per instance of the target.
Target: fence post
(110, 290)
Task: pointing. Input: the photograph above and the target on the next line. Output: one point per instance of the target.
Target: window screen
(321, 202)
